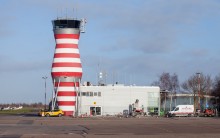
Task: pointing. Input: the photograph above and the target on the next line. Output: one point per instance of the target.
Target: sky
(131, 41)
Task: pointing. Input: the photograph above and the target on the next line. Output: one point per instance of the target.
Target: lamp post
(45, 96)
(198, 90)
(171, 100)
(165, 101)
(217, 107)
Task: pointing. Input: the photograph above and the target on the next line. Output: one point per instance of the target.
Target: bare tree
(198, 84)
(167, 83)
(175, 83)
(175, 86)
(216, 88)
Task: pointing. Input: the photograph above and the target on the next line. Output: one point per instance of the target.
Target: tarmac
(28, 126)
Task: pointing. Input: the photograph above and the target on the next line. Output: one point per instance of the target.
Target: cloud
(10, 65)
(198, 53)
(5, 25)
(151, 29)
(148, 38)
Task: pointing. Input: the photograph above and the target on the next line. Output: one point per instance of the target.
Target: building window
(78, 93)
(99, 93)
(91, 93)
(87, 93)
(83, 93)
(95, 94)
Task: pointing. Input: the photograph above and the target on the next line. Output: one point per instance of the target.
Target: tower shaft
(66, 68)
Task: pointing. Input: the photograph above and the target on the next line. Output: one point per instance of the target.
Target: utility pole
(198, 90)
(194, 101)
(171, 100)
(165, 102)
(45, 95)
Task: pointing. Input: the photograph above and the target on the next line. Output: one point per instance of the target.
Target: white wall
(115, 99)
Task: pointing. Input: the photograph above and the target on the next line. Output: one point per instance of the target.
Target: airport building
(169, 100)
(116, 99)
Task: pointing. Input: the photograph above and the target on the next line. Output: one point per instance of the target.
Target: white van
(182, 110)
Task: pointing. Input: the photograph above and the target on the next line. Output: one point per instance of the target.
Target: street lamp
(171, 100)
(198, 90)
(45, 78)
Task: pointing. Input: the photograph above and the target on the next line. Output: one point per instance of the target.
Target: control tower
(66, 68)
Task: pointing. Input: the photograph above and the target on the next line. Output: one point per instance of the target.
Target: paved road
(55, 127)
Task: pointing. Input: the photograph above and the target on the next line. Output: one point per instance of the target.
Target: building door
(95, 110)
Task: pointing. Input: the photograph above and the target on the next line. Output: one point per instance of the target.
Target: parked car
(47, 113)
(207, 112)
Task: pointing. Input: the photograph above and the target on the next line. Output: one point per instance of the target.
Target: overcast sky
(133, 41)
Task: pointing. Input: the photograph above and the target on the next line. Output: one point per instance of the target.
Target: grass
(19, 111)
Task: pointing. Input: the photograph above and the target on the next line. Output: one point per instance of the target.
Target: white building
(114, 99)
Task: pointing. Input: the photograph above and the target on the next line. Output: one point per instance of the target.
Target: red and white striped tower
(66, 68)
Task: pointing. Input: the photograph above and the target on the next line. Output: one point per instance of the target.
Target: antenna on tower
(82, 25)
(73, 12)
(61, 12)
(76, 9)
(57, 13)
(66, 13)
